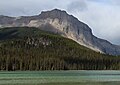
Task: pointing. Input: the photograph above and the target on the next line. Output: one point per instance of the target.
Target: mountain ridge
(61, 22)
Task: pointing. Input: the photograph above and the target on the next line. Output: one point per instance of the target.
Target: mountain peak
(58, 10)
(60, 22)
(55, 13)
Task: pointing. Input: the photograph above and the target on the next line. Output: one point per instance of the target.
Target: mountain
(24, 48)
(60, 22)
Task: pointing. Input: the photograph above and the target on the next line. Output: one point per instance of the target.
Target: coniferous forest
(24, 48)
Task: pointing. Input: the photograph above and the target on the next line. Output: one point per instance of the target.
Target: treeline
(51, 52)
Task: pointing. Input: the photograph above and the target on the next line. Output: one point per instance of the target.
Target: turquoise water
(60, 78)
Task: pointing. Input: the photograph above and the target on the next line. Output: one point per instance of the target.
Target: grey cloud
(25, 7)
(115, 2)
(109, 2)
(79, 5)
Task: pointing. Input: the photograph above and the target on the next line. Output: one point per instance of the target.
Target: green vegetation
(74, 83)
(23, 48)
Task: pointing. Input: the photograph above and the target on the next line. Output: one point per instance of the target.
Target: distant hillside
(26, 48)
(60, 22)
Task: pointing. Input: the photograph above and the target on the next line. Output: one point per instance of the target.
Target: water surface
(60, 78)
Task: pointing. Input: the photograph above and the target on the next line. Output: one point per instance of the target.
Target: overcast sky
(103, 16)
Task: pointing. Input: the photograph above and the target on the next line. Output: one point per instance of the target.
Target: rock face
(60, 22)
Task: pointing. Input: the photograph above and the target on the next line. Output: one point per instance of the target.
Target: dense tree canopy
(32, 49)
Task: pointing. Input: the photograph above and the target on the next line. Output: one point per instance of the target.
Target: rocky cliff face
(60, 22)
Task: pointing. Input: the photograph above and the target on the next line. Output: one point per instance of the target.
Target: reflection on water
(60, 78)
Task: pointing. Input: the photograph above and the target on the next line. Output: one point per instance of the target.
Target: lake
(60, 77)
